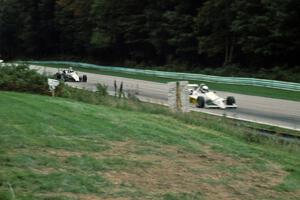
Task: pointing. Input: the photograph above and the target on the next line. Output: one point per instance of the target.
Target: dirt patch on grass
(117, 149)
(175, 170)
(61, 153)
(44, 170)
(186, 172)
(76, 196)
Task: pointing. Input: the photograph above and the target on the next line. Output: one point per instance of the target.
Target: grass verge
(241, 89)
(55, 148)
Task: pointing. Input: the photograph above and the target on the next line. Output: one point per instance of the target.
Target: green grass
(241, 89)
(55, 148)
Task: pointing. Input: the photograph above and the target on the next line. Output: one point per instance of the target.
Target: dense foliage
(191, 34)
(22, 79)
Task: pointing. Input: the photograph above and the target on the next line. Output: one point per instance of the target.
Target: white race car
(203, 98)
(70, 75)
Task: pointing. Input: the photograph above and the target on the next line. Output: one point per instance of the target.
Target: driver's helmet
(204, 88)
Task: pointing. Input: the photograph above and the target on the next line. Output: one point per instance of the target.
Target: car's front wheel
(200, 102)
(58, 76)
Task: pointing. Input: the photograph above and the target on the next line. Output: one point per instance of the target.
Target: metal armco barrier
(187, 76)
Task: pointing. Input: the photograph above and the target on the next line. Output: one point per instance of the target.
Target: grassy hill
(58, 149)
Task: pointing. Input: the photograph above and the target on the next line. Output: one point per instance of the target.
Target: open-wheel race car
(202, 97)
(69, 75)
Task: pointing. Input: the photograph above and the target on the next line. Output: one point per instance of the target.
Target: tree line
(191, 33)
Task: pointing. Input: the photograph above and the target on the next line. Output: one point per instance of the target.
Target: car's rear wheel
(200, 102)
(230, 100)
(84, 78)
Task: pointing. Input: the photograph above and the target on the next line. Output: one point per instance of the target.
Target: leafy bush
(22, 79)
(282, 73)
(100, 97)
(101, 89)
(66, 91)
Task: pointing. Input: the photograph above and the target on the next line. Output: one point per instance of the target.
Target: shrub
(101, 90)
(21, 78)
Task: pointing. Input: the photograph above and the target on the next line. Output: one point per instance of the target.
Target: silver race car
(70, 75)
(202, 97)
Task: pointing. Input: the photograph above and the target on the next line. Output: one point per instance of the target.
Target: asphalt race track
(270, 111)
(262, 110)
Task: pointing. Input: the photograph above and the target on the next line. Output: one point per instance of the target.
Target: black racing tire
(84, 78)
(200, 102)
(230, 100)
(57, 76)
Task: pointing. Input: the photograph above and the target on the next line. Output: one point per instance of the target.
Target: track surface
(276, 112)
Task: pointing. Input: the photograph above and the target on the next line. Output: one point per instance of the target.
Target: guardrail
(187, 76)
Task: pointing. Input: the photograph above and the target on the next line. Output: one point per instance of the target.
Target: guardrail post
(178, 97)
(184, 96)
(172, 95)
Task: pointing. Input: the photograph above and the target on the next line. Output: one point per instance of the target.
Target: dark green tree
(73, 23)
(213, 29)
(10, 27)
(191, 33)
(267, 31)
